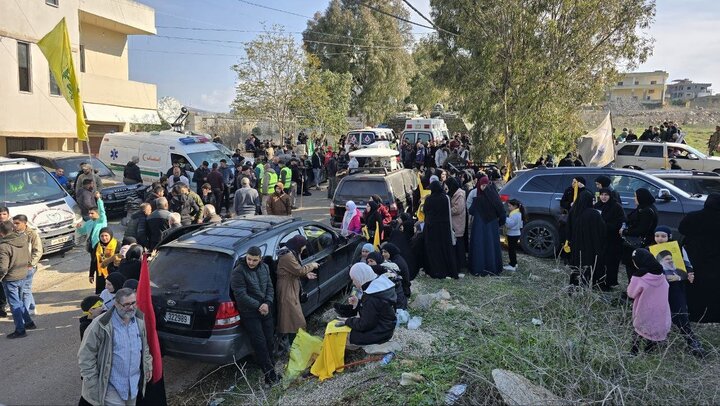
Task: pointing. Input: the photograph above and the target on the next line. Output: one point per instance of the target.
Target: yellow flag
(376, 240)
(56, 48)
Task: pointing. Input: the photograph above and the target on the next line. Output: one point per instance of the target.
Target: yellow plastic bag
(304, 348)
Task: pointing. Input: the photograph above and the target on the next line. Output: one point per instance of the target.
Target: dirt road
(41, 369)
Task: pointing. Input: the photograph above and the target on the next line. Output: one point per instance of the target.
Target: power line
(157, 51)
(274, 9)
(262, 31)
(377, 10)
(227, 41)
(428, 20)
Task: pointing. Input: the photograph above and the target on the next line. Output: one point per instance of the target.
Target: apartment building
(642, 87)
(686, 89)
(34, 114)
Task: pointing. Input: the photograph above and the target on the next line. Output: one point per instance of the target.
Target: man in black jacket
(131, 174)
(254, 295)
(85, 198)
(200, 175)
(157, 222)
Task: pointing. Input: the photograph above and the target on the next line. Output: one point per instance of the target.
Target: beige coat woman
(289, 272)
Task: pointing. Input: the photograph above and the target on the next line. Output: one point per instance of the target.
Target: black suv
(541, 189)
(190, 276)
(693, 182)
(395, 188)
(115, 194)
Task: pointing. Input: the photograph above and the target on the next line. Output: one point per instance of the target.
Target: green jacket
(14, 257)
(200, 204)
(96, 354)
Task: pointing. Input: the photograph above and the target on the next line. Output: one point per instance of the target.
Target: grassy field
(580, 352)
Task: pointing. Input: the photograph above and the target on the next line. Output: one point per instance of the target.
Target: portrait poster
(673, 259)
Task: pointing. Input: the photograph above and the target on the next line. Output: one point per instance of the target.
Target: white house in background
(686, 89)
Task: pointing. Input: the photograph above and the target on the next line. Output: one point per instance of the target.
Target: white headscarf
(350, 212)
(362, 273)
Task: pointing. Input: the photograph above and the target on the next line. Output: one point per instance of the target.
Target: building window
(54, 88)
(23, 56)
(651, 91)
(637, 82)
(82, 58)
(620, 83)
(688, 88)
(653, 82)
(53, 3)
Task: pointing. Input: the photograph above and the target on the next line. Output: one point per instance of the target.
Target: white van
(370, 138)
(27, 188)
(424, 130)
(158, 151)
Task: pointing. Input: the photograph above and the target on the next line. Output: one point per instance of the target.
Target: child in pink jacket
(651, 309)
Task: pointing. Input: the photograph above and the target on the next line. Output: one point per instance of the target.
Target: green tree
(425, 91)
(522, 68)
(272, 64)
(371, 46)
(322, 99)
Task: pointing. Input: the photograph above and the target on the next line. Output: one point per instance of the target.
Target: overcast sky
(687, 43)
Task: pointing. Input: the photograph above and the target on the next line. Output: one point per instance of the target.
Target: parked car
(190, 276)
(395, 188)
(541, 189)
(692, 182)
(114, 192)
(655, 155)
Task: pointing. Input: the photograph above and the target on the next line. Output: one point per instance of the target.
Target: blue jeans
(27, 296)
(21, 317)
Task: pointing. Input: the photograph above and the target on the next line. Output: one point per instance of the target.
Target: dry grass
(580, 352)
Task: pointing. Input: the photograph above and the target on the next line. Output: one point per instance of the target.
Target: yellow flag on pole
(56, 48)
(376, 239)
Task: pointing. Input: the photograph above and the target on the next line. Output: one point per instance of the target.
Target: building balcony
(639, 86)
(126, 16)
(117, 92)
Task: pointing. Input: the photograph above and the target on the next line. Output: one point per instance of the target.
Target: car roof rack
(12, 161)
(369, 169)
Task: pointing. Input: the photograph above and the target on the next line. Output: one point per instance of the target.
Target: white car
(656, 155)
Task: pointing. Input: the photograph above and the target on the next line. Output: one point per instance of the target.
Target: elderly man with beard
(115, 362)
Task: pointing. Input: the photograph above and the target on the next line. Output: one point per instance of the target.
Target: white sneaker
(510, 268)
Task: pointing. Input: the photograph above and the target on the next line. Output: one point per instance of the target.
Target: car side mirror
(692, 156)
(665, 195)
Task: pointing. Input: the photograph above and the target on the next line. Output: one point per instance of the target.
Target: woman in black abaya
(439, 248)
(488, 216)
(587, 240)
(614, 216)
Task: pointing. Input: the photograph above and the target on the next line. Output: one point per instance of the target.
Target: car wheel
(540, 238)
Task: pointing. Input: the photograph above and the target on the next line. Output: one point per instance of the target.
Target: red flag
(144, 303)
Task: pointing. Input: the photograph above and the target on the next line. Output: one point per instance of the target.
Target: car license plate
(177, 318)
(60, 240)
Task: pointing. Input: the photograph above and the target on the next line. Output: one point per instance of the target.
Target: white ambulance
(158, 151)
(425, 129)
(370, 138)
(27, 188)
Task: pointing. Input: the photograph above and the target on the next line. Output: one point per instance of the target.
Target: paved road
(42, 368)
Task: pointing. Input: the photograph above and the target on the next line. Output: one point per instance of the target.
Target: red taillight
(504, 198)
(227, 316)
(332, 210)
(393, 210)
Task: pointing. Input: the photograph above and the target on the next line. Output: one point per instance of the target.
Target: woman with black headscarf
(382, 266)
(458, 213)
(701, 229)
(392, 253)
(488, 216)
(438, 235)
(614, 216)
(103, 254)
(401, 237)
(373, 219)
(640, 230)
(587, 240)
(130, 266)
(289, 272)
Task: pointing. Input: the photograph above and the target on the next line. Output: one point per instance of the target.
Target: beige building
(34, 114)
(641, 87)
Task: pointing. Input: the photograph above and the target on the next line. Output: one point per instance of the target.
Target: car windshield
(362, 189)
(27, 186)
(424, 137)
(225, 150)
(690, 150)
(212, 156)
(72, 166)
(182, 270)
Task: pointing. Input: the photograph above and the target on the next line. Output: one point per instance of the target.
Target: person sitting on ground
(381, 266)
(375, 320)
(209, 215)
(391, 253)
(113, 283)
(92, 307)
